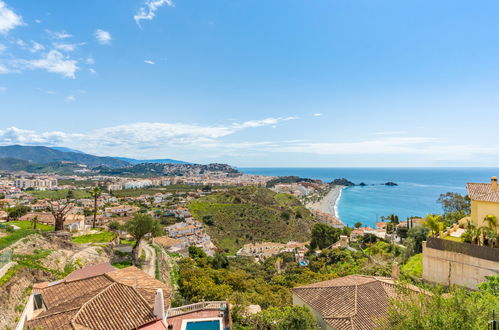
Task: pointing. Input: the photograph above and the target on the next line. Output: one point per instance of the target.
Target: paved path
(149, 265)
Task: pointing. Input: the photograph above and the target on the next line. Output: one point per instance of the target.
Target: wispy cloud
(3, 89)
(4, 69)
(67, 47)
(136, 136)
(103, 37)
(70, 98)
(59, 35)
(36, 47)
(317, 114)
(9, 20)
(149, 10)
(53, 61)
(149, 62)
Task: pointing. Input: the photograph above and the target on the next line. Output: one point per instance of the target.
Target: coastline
(329, 204)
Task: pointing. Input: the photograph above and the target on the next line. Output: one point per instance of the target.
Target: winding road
(149, 266)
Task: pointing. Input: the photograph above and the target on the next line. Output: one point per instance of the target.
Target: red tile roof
(90, 271)
(120, 299)
(482, 192)
(350, 302)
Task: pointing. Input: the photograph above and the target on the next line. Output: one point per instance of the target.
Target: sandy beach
(328, 203)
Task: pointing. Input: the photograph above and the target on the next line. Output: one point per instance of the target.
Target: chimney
(159, 305)
(494, 183)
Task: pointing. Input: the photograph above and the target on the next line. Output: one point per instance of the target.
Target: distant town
(211, 244)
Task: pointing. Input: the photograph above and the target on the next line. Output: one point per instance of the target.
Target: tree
(414, 241)
(393, 218)
(454, 202)
(455, 309)
(358, 224)
(95, 192)
(220, 261)
(433, 223)
(34, 221)
(114, 226)
(17, 212)
(140, 226)
(196, 252)
(60, 209)
(324, 236)
(284, 318)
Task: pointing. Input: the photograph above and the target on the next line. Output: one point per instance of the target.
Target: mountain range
(50, 155)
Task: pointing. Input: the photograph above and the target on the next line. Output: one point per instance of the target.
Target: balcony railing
(211, 305)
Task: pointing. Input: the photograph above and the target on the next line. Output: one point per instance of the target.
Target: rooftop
(91, 299)
(484, 192)
(350, 302)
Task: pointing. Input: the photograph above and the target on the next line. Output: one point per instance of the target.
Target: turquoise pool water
(204, 325)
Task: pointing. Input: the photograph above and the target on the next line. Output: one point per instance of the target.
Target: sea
(416, 194)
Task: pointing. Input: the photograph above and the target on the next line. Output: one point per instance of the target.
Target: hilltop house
(484, 201)
(97, 297)
(350, 302)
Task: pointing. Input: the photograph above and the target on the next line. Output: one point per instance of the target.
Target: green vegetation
(29, 225)
(122, 264)
(284, 318)
(324, 236)
(288, 180)
(59, 194)
(127, 242)
(152, 191)
(33, 261)
(15, 235)
(140, 226)
(455, 308)
(251, 214)
(414, 266)
(102, 237)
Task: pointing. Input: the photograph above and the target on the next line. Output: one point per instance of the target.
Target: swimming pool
(203, 325)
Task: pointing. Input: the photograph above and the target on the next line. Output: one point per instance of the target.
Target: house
(121, 211)
(98, 298)
(73, 222)
(484, 201)
(350, 302)
(169, 243)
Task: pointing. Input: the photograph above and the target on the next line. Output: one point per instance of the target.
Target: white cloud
(90, 61)
(66, 47)
(54, 61)
(4, 69)
(103, 37)
(317, 115)
(149, 62)
(2, 48)
(149, 11)
(35, 47)
(37, 21)
(58, 34)
(136, 136)
(92, 71)
(8, 19)
(70, 98)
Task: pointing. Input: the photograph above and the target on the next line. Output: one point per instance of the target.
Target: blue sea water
(415, 195)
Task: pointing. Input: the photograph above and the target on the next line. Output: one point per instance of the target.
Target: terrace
(203, 315)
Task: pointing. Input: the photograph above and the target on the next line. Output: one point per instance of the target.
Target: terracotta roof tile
(120, 299)
(482, 192)
(350, 302)
(90, 271)
(118, 307)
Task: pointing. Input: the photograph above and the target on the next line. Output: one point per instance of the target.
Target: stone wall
(448, 267)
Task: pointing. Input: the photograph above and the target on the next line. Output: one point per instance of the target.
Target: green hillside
(252, 214)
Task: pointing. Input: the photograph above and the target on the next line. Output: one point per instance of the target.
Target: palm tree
(433, 223)
(95, 192)
(489, 232)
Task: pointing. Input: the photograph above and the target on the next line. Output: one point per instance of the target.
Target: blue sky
(255, 83)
